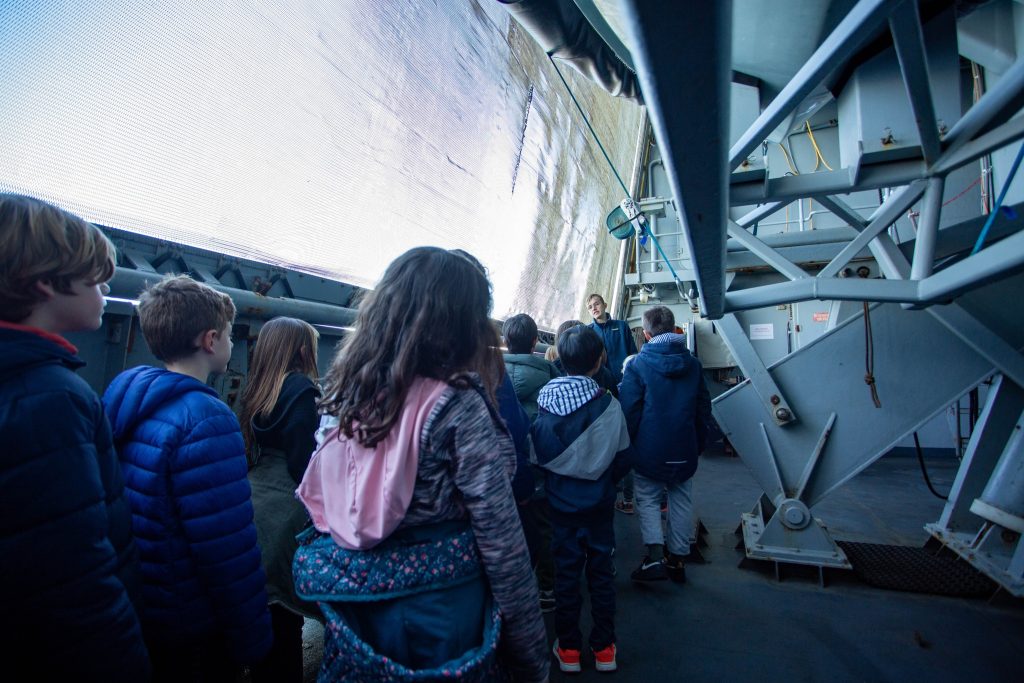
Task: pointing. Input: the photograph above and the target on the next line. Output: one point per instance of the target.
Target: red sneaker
(568, 660)
(604, 660)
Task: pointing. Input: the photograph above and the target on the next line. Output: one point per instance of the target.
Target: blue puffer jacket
(68, 565)
(184, 465)
(582, 444)
(667, 408)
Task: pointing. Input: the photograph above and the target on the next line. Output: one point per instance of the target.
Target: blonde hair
(284, 346)
(174, 311)
(551, 354)
(40, 242)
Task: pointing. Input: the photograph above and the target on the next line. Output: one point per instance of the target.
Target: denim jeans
(584, 550)
(680, 513)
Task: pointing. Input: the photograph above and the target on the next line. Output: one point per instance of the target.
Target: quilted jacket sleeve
(215, 508)
(65, 539)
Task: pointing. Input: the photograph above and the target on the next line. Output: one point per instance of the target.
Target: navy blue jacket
(184, 465)
(583, 455)
(668, 410)
(518, 423)
(68, 564)
(618, 342)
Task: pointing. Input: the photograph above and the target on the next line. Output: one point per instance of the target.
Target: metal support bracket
(754, 369)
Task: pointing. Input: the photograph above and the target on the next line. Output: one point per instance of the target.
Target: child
(529, 372)
(582, 443)
(668, 408)
(68, 564)
(183, 458)
(279, 419)
(420, 547)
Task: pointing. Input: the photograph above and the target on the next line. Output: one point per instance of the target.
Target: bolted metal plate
(916, 570)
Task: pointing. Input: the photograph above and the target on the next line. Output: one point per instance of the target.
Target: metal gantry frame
(684, 129)
(801, 440)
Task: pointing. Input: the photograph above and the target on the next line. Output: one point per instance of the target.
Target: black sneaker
(675, 569)
(650, 570)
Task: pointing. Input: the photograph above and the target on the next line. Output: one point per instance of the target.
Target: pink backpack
(360, 495)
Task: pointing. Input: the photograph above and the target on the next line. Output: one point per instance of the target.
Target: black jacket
(68, 563)
(290, 426)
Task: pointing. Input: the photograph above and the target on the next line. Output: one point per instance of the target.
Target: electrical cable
(817, 151)
(999, 202)
(924, 470)
(789, 161)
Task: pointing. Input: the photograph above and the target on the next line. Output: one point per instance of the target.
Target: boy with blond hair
(68, 564)
(184, 463)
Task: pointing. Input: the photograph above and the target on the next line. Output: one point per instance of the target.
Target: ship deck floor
(729, 623)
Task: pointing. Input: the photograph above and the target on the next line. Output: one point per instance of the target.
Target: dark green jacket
(529, 372)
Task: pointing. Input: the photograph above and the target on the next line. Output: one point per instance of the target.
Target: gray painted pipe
(798, 239)
(128, 284)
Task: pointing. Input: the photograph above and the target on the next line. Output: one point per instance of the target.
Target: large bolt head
(794, 516)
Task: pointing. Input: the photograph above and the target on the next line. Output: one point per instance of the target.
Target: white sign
(762, 331)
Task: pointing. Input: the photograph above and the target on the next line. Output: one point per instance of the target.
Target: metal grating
(916, 570)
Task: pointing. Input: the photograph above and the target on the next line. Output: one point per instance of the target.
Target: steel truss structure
(703, 192)
(803, 438)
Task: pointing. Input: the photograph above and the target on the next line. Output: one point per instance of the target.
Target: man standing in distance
(616, 335)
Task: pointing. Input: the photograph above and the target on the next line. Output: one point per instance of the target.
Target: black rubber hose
(924, 470)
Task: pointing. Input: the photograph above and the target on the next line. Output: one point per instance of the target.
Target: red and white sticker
(820, 317)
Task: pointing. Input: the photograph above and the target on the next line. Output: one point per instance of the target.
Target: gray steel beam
(999, 137)
(987, 265)
(789, 188)
(905, 25)
(995, 423)
(766, 253)
(859, 26)
(843, 211)
(847, 289)
(885, 216)
(759, 214)
(692, 138)
(784, 240)
(976, 335)
(772, 399)
(890, 259)
(128, 284)
(993, 105)
(892, 262)
(928, 230)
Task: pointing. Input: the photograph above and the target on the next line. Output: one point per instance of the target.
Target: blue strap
(999, 202)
